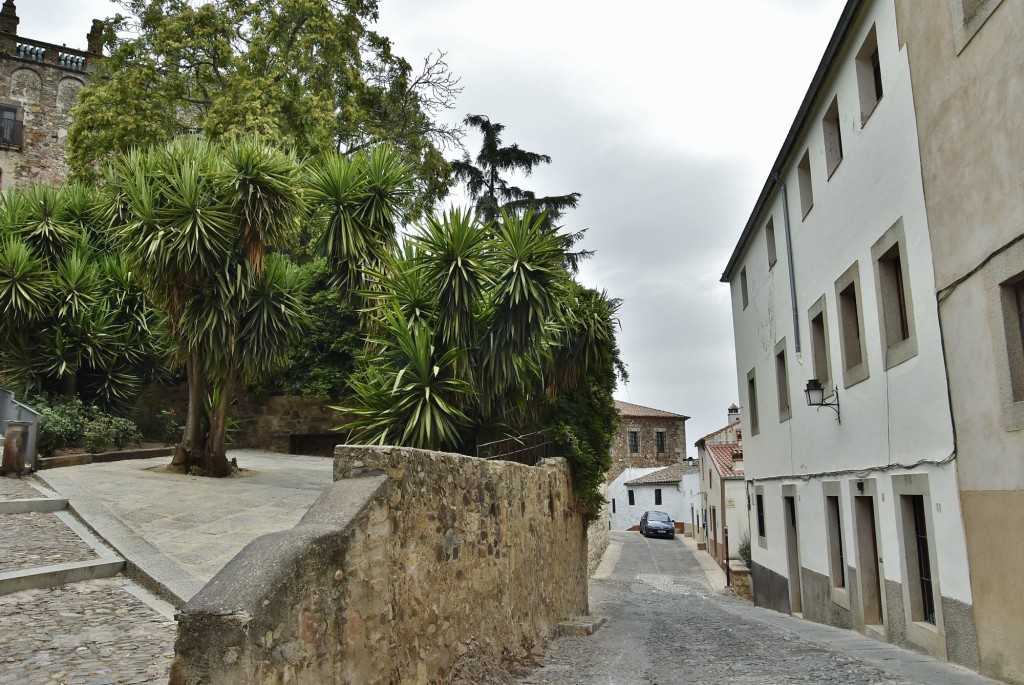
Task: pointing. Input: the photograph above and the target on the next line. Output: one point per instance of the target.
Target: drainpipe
(789, 264)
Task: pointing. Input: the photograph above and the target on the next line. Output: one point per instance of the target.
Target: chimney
(9, 18)
(737, 460)
(94, 39)
(734, 414)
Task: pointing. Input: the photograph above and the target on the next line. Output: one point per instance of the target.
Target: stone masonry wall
(407, 560)
(648, 456)
(43, 91)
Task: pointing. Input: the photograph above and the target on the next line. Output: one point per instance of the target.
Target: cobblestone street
(667, 627)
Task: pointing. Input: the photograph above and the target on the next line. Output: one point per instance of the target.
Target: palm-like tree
(202, 222)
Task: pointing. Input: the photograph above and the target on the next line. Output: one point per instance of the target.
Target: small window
(895, 311)
(769, 234)
(755, 427)
(782, 381)
(760, 516)
(851, 327)
(632, 501)
(10, 127)
(803, 171)
(634, 442)
(820, 362)
(613, 505)
(657, 496)
(837, 556)
(659, 438)
(743, 287)
(869, 76)
(1013, 322)
(833, 137)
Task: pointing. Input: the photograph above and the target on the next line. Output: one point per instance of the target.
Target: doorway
(868, 563)
(793, 555)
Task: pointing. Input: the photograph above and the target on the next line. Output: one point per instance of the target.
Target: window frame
(805, 182)
(632, 498)
(853, 372)
(821, 352)
(870, 86)
(783, 394)
(769, 236)
(895, 302)
(657, 497)
(832, 135)
(967, 23)
(633, 441)
(660, 441)
(755, 425)
(744, 292)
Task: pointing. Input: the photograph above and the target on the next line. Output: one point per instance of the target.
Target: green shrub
(68, 423)
(124, 432)
(744, 551)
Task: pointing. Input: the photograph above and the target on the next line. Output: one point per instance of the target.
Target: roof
(720, 430)
(722, 456)
(637, 411)
(670, 474)
(813, 91)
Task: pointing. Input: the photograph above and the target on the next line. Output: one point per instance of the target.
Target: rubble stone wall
(407, 561)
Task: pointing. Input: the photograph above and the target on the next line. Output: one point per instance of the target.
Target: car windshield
(658, 516)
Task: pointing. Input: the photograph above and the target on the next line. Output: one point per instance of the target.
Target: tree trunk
(216, 462)
(189, 451)
(69, 384)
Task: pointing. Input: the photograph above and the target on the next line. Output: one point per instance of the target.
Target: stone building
(39, 84)
(648, 437)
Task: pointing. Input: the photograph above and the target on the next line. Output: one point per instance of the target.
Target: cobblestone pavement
(87, 633)
(17, 488)
(37, 539)
(666, 626)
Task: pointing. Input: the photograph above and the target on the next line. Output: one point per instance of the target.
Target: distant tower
(734, 414)
(9, 18)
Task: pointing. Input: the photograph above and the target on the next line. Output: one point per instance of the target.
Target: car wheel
(642, 531)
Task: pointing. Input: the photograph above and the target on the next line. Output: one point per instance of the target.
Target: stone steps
(105, 564)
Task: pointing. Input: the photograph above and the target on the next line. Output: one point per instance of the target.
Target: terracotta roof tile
(722, 456)
(720, 430)
(671, 474)
(627, 409)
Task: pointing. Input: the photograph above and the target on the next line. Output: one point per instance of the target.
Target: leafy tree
(201, 222)
(308, 74)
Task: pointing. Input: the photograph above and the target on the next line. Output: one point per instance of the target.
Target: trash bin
(15, 447)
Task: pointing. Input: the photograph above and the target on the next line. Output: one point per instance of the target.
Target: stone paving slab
(178, 530)
(39, 539)
(96, 631)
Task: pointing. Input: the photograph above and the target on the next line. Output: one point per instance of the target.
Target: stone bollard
(15, 446)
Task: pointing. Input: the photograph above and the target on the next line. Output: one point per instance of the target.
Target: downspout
(789, 265)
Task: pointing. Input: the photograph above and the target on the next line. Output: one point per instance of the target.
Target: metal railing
(529, 449)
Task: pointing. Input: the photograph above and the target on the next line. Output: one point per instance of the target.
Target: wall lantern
(816, 397)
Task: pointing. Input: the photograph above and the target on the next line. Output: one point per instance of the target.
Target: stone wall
(648, 456)
(598, 536)
(407, 560)
(40, 81)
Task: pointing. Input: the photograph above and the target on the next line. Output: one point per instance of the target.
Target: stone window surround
(1001, 275)
(925, 635)
(900, 351)
(858, 372)
(782, 382)
(754, 416)
(966, 25)
(817, 309)
(840, 595)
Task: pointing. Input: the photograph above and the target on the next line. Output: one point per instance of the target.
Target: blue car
(658, 524)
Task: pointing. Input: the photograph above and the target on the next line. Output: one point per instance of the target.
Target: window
(851, 327)
(895, 312)
(1013, 317)
(632, 501)
(10, 126)
(760, 516)
(833, 137)
(820, 363)
(743, 287)
(803, 171)
(755, 427)
(922, 606)
(782, 381)
(659, 438)
(837, 556)
(769, 234)
(869, 76)
(634, 442)
(613, 505)
(657, 496)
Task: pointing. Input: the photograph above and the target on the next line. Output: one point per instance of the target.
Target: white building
(723, 496)
(854, 523)
(673, 490)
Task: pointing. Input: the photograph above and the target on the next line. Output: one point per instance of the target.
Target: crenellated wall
(407, 558)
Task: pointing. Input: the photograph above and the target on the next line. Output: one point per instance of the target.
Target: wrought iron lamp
(816, 397)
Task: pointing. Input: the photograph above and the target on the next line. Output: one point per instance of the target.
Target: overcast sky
(666, 115)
